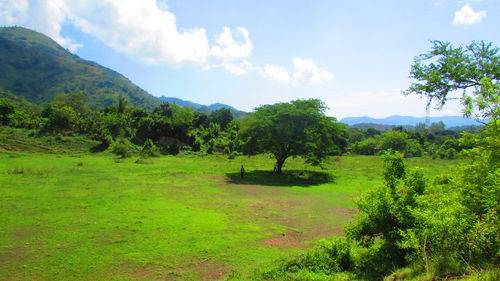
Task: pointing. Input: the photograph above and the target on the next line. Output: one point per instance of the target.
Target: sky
(354, 55)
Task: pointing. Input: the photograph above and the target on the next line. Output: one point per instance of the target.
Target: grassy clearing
(12, 139)
(89, 217)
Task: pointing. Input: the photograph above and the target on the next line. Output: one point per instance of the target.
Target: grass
(78, 216)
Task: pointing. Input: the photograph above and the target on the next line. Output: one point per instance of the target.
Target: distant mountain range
(449, 121)
(34, 66)
(203, 108)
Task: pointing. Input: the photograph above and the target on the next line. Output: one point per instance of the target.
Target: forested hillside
(34, 66)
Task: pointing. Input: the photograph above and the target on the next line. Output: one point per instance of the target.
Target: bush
(149, 149)
(233, 155)
(7, 108)
(366, 147)
(444, 153)
(122, 147)
(414, 147)
(394, 140)
(329, 259)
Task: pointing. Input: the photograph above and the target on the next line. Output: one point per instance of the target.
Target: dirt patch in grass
(14, 255)
(324, 231)
(289, 240)
(303, 226)
(24, 234)
(343, 213)
(275, 204)
(211, 270)
(203, 270)
(295, 239)
(145, 272)
(215, 178)
(206, 270)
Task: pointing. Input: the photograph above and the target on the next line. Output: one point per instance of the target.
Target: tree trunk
(281, 156)
(280, 161)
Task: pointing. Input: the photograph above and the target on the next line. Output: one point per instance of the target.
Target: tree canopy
(473, 69)
(298, 128)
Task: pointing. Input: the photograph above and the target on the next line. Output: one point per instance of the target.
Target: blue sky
(353, 55)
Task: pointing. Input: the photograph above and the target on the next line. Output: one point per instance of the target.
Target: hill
(35, 67)
(203, 108)
(449, 121)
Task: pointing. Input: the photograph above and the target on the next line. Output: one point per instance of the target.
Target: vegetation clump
(414, 229)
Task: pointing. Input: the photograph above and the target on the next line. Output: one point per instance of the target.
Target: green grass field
(90, 217)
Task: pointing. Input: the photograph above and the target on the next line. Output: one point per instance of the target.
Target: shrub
(414, 147)
(122, 147)
(394, 140)
(7, 108)
(233, 155)
(366, 147)
(149, 149)
(328, 259)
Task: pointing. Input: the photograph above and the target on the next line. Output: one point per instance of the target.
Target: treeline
(167, 129)
(434, 140)
(170, 129)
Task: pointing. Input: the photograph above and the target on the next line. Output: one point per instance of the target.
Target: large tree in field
(474, 70)
(298, 128)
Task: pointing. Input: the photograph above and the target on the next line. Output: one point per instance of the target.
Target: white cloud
(10, 10)
(229, 49)
(467, 15)
(306, 71)
(44, 16)
(162, 4)
(277, 73)
(140, 29)
(234, 69)
(241, 68)
(147, 31)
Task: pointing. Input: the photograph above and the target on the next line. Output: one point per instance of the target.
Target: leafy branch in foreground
(473, 69)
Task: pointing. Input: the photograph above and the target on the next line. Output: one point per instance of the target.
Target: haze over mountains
(449, 121)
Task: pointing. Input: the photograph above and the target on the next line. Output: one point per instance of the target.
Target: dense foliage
(37, 68)
(126, 129)
(433, 140)
(299, 128)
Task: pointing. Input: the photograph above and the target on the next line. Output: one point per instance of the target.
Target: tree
(59, 119)
(395, 140)
(298, 128)
(222, 116)
(445, 69)
(76, 100)
(7, 108)
(122, 105)
(437, 128)
(164, 109)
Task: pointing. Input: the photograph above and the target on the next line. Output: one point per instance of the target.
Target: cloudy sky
(353, 55)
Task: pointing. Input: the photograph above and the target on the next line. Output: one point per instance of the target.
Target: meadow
(82, 216)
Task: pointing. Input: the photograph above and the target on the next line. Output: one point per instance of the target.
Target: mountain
(34, 66)
(203, 108)
(449, 121)
(181, 102)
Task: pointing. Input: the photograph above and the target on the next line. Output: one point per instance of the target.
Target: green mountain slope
(34, 66)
